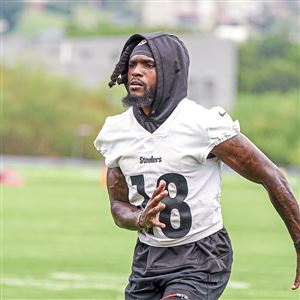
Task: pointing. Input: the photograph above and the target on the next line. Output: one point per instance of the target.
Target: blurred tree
(270, 64)
(271, 120)
(9, 14)
(43, 115)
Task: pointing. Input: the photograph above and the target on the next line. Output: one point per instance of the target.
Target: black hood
(172, 63)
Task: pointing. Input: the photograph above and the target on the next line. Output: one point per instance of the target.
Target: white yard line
(65, 281)
(88, 277)
(98, 281)
(240, 285)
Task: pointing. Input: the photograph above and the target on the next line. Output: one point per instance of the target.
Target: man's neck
(146, 110)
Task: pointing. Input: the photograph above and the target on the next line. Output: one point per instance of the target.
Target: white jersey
(177, 153)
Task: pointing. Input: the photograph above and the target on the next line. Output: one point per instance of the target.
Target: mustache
(136, 81)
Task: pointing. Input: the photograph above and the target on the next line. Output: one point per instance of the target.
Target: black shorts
(198, 270)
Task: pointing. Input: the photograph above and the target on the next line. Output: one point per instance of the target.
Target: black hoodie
(172, 63)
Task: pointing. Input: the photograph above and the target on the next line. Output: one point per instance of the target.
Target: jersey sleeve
(104, 143)
(218, 127)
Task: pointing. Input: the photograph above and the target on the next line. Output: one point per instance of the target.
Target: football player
(164, 156)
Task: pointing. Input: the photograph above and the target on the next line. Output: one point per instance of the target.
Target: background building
(212, 77)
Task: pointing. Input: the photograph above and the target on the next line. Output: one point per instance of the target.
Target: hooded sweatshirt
(173, 145)
(172, 63)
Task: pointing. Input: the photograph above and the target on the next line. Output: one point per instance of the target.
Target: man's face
(141, 75)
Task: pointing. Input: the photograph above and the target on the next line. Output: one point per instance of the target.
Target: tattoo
(125, 214)
(242, 156)
(116, 185)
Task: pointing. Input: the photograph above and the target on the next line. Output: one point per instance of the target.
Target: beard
(139, 101)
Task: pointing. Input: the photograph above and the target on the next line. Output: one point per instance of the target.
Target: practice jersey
(177, 153)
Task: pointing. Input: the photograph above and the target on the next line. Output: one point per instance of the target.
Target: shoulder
(194, 112)
(207, 119)
(113, 129)
(191, 109)
(116, 121)
(197, 109)
(218, 116)
(206, 114)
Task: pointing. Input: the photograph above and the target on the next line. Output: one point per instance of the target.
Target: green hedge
(269, 64)
(272, 122)
(41, 114)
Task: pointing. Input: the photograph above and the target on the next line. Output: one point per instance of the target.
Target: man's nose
(137, 71)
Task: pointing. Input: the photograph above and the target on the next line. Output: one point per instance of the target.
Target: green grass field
(59, 240)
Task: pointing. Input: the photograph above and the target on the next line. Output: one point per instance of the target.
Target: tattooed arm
(242, 156)
(129, 216)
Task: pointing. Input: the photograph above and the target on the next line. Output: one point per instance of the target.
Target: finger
(157, 209)
(159, 224)
(296, 283)
(157, 199)
(160, 188)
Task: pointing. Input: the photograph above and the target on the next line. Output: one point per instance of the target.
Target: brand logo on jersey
(150, 160)
(222, 114)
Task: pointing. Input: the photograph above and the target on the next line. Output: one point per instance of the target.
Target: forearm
(242, 156)
(287, 207)
(284, 202)
(125, 214)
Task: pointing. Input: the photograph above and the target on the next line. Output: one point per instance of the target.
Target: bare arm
(243, 157)
(129, 216)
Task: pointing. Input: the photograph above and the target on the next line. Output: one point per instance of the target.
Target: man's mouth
(135, 83)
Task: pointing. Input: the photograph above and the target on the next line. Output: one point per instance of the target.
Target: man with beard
(164, 157)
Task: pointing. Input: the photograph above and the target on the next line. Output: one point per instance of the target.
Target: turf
(59, 240)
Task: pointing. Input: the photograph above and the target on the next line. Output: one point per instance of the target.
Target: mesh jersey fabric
(177, 153)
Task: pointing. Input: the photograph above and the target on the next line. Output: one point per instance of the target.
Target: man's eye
(150, 66)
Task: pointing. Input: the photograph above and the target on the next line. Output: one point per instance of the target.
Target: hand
(297, 279)
(150, 215)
